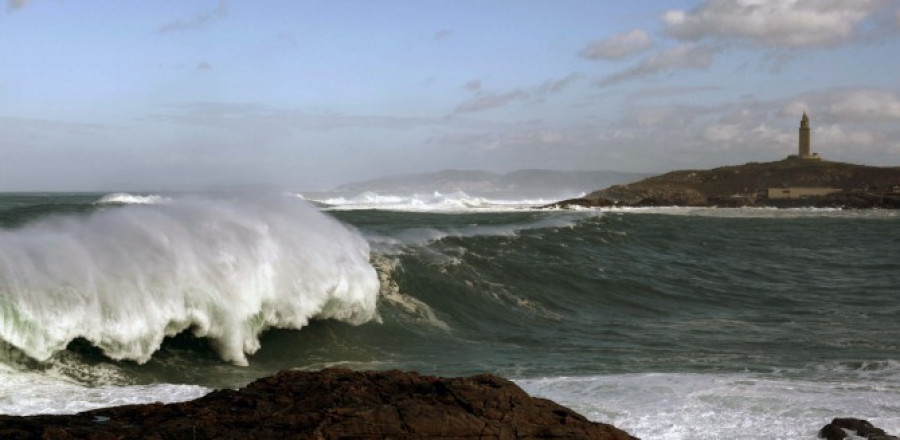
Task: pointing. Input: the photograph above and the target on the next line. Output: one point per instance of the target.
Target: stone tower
(804, 137)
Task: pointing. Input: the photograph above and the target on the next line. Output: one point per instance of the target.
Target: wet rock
(330, 404)
(838, 428)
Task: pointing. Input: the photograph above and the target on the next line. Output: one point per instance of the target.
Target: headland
(800, 180)
(792, 182)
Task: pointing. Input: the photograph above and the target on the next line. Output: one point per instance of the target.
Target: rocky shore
(332, 404)
(759, 185)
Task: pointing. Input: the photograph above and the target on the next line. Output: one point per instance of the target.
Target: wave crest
(131, 199)
(126, 278)
(437, 202)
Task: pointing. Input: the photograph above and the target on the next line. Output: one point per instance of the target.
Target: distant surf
(435, 202)
(132, 199)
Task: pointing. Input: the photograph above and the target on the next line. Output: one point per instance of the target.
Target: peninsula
(801, 180)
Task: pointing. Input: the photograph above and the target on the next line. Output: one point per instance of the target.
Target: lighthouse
(803, 152)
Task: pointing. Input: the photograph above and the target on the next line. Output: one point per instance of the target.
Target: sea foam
(131, 199)
(673, 406)
(226, 269)
(436, 202)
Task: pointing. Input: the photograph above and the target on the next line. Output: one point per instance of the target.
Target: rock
(836, 430)
(857, 186)
(832, 432)
(332, 403)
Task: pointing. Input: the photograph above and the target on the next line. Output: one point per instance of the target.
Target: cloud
(204, 66)
(773, 23)
(866, 105)
(557, 85)
(852, 125)
(685, 56)
(617, 46)
(441, 34)
(473, 85)
(836, 136)
(198, 21)
(492, 100)
(862, 105)
(483, 101)
(16, 4)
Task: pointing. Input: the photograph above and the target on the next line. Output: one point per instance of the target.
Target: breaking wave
(130, 199)
(438, 202)
(226, 269)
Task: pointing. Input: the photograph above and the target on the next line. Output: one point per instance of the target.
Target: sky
(106, 95)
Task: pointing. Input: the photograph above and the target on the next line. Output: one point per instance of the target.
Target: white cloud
(617, 46)
(492, 100)
(774, 23)
(866, 105)
(685, 56)
(722, 132)
(846, 105)
(835, 136)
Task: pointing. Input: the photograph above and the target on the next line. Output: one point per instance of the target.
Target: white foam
(28, 393)
(436, 202)
(227, 269)
(711, 406)
(421, 236)
(131, 199)
(390, 291)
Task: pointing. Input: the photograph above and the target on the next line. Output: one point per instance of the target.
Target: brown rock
(333, 404)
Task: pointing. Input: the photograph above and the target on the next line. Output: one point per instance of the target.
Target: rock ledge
(333, 403)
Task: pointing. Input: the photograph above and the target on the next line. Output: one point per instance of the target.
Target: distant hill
(749, 184)
(522, 182)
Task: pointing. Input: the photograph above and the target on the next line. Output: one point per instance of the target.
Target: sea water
(671, 323)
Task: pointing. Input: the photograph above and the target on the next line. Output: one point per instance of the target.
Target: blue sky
(117, 94)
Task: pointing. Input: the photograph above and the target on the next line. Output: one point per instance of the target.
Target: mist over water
(673, 323)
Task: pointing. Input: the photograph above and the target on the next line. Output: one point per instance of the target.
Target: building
(805, 140)
(799, 192)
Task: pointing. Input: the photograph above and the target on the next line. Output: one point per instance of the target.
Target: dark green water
(744, 316)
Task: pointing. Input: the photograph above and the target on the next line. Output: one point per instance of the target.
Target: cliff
(857, 186)
(330, 404)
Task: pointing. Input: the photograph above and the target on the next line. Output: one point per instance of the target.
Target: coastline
(332, 403)
(342, 403)
(789, 183)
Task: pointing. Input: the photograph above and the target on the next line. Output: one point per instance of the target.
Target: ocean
(670, 323)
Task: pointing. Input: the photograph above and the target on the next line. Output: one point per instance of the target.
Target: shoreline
(332, 403)
(342, 403)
